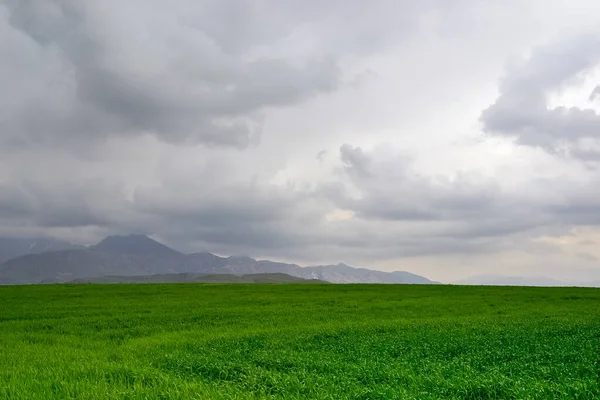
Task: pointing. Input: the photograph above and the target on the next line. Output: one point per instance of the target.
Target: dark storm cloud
(522, 110)
(61, 204)
(194, 71)
(178, 83)
(13, 202)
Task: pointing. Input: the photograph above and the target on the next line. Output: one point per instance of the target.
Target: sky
(445, 138)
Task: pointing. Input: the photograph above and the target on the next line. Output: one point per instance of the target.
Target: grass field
(199, 341)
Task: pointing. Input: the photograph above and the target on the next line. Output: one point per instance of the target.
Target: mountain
(16, 247)
(138, 255)
(342, 273)
(190, 277)
(134, 244)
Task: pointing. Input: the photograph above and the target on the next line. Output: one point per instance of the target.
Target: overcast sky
(445, 138)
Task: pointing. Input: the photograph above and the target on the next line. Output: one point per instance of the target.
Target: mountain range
(189, 277)
(140, 256)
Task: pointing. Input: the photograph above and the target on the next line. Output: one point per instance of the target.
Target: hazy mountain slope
(72, 264)
(339, 273)
(134, 244)
(342, 273)
(138, 255)
(16, 247)
(190, 277)
(115, 255)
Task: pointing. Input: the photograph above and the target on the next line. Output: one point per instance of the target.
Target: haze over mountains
(138, 258)
(15, 247)
(203, 278)
(497, 280)
(139, 255)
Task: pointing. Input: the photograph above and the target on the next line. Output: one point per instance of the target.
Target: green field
(205, 341)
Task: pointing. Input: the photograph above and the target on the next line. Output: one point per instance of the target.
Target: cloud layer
(420, 137)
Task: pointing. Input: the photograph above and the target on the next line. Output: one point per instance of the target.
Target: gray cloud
(199, 72)
(396, 211)
(195, 122)
(595, 93)
(174, 81)
(61, 204)
(587, 257)
(522, 110)
(258, 218)
(391, 191)
(465, 213)
(321, 154)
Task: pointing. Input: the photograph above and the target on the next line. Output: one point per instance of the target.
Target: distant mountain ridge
(133, 244)
(16, 247)
(139, 255)
(187, 277)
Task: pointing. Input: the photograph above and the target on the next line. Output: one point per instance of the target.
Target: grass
(288, 341)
